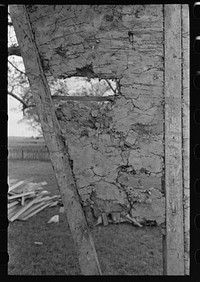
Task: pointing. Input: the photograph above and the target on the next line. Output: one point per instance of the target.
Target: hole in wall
(83, 87)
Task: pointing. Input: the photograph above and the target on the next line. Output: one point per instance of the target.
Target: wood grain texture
(58, 152)
(174, 241)
(186, 132)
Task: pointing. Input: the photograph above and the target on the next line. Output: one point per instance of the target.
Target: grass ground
(122, 249)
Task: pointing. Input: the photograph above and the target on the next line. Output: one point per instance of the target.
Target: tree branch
(14, 50)
(110, 85)
(25, 106)
(16, 68)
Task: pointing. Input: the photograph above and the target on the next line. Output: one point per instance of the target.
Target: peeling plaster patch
(153, 163)
(97, 178)
(125, 124)
(109, 191)
(85, 178)
(131, 138)
(150, 208)
(99, 171)
(139, 181)
(152, 149)
(107, 198)
(105, 138)
(135, 159)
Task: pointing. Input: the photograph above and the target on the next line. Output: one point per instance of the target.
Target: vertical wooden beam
(174, 241)
(52, 134)
(186, 132)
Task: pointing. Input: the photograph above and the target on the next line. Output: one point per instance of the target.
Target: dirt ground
(122, 249)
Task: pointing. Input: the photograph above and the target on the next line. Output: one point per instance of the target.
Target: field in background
(122, 249)
(25, 141)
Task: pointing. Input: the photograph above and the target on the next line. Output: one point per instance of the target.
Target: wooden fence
(28, 153)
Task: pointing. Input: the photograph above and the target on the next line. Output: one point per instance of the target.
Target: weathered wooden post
(186, 132)
(58, 150)
(176, 54)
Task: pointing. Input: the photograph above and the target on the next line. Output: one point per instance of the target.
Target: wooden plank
(43, 183)
(133, 220)
(29, 197)
(36, 186)
(32, 209)
(84, 98)
(15, 216)
(36, 211)
(42, 199)
(59, 154)
(20, 195)
(47, 198)
(116, 217)
(23, 200)
(20, 187)
(174, 241)
(11, 209)
(12, 187)
(105, 219)
(12, 212)
(12, 204)
(53, 204)
(12, 181)
(186, 132)
(58, 98)
(99, 220)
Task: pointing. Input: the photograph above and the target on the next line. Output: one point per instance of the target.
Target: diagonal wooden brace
(59, 155)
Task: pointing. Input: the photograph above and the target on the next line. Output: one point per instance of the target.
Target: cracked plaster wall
(116, 147)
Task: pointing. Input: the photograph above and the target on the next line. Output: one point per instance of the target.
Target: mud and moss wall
(115, 147)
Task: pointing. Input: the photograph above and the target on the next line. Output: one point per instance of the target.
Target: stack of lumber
(27, 198)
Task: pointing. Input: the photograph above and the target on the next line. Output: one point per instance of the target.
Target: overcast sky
(14, 116)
